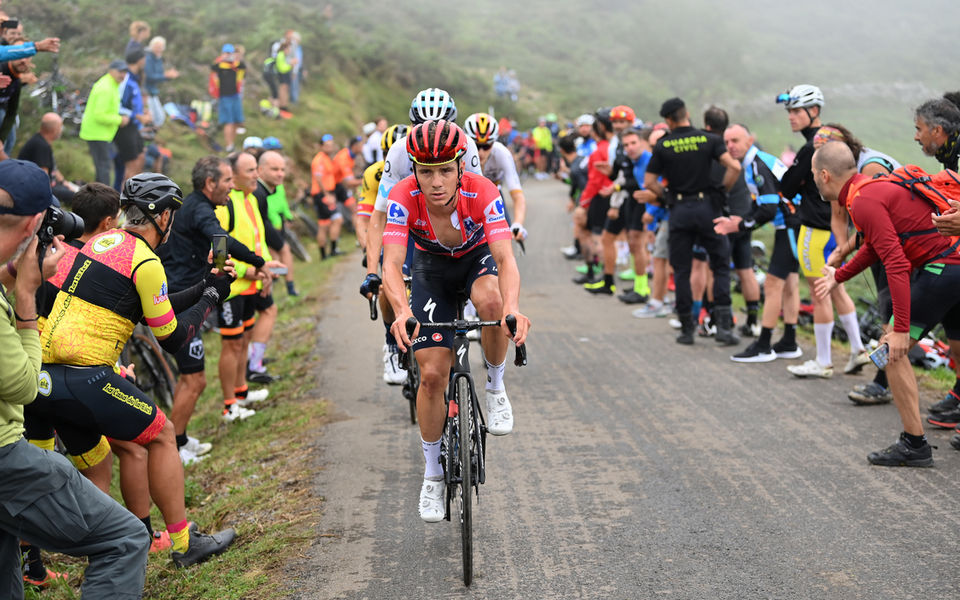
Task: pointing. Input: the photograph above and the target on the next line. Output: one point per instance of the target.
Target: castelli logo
(437, 337)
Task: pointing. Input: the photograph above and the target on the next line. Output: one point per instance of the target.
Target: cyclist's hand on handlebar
(518, 231)
(399, 330)
(371, 285)
(523, 326)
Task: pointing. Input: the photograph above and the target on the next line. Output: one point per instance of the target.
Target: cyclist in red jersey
(462, 238)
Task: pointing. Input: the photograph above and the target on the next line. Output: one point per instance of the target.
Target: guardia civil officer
(684, 158)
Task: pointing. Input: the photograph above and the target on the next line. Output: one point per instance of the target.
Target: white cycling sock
(495, 375)
(852, 327)
(431, 457)
(255, 355)
(822, 332)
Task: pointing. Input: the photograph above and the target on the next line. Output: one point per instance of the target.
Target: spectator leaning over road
(155, 73)
(36, 485)
(227, 84)
(129, 141)
(39, 151)
(102, 119)
(895, 225)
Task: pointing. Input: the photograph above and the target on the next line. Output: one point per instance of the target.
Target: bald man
(39, 150)
(895, 225)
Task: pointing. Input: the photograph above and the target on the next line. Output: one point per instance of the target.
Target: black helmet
(602, 115)
(152, 193)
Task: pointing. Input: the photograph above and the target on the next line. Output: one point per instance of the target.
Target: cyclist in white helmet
(498, 166)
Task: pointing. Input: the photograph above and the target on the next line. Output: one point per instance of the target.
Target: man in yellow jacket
(102, 119)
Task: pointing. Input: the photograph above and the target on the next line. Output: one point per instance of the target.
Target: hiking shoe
(235, 411)
(811, 368)
(651, 311)
(870, 394)
(754, 353)
(632, 297)
(901, 454)
(254, 396)
(203, 546)
(263, 378)
(946, 420)
(160, 542)
(599, 287)
(949, 403)
(628, 275)
(393, 373)
(788, 351)
(48, 578)
(197, 447)
(499, 413)
(585, 278)
(857, 362)
(431, 501)
(747, 330)
(188, 458)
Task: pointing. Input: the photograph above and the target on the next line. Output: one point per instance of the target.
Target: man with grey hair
(155, 73)
(35, 484)
(895, 226)
(938, 129)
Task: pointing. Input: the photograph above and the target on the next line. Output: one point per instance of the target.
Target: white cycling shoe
(393, 373)
(499, 413)
(431, 501)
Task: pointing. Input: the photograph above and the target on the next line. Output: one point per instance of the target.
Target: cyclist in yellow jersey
(115, 281)
(393, 371)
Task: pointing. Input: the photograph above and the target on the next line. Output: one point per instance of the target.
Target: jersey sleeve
(511, 180)
(399, 207)
(151, 283)
(395, 167)
(368, 190)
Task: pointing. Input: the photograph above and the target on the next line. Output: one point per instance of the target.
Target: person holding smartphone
(895, 226)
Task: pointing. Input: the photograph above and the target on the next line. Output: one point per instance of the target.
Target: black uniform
(798, 179)
(631, 211)
(685, 158)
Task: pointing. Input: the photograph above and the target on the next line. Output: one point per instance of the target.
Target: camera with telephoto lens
(59, 222)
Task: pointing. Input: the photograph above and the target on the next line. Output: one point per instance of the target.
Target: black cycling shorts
(597, 214)
(630, 217)
(741, 252)
(262, 303)
(236, 315)
(324, 212)
(933, 300)
(784, 261)
(190, 357)
(85, 403)
(438, 282)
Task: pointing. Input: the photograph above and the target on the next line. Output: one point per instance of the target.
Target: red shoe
(161, 541)
(51, 576)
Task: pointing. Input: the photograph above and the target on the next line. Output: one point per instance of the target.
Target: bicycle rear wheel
(154, 375)
(465, 495)
(296, 247)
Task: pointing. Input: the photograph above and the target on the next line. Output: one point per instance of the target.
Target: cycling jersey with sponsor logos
(479, 216)
(397, 165)
(115, 281)
(368, 189)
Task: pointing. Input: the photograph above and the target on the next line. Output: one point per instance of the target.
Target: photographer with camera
(36, 485)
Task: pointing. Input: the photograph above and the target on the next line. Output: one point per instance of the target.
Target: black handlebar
(373, 306)
(520, 359)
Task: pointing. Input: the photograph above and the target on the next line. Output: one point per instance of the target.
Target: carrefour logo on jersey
(494, 211)
(396, 214)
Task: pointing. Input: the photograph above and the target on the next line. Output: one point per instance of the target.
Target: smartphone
(279, 270)
(881, 356)
(219, 250)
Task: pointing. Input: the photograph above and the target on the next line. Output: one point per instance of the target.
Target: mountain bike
(463, 441)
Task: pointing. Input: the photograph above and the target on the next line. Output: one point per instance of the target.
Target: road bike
(463, 442)
(155, 373)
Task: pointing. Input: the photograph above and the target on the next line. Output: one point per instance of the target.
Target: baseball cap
(117, 65)
(272, 143)
(227, 49)
(327, 137)
(671, 106)
(252, 141)
(369, 128)
(28, 185)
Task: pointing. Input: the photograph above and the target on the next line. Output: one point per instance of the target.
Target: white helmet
(432, 104)
(802, 96)
(482, 127)
(585, 119)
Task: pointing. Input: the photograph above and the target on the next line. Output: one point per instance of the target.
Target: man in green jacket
(39, 488)
(102, 119)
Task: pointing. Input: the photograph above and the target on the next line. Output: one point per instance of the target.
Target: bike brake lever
(373, 307)
(520, 359)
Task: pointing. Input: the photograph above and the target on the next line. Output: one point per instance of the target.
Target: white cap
(369, 128)
(252, 142)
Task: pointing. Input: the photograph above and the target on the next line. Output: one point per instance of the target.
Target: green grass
(257, 477)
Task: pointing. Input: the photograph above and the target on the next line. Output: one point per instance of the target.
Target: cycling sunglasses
(484, 146)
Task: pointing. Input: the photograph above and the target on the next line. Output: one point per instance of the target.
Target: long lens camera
(59, 222)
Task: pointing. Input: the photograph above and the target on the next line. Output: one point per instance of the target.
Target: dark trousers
(45, 501)
(691, 222)
(100, 152)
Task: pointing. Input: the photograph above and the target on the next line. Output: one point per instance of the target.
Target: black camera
(59, 222)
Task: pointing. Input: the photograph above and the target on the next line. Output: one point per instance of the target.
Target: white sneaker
(393, 373)
(856, 362)
(811, 368)
(675, 323)
(648, 310)
(499, 413)
(237, 412)
(431, 501)
(188, 458)
(254, 396)
(197, 447)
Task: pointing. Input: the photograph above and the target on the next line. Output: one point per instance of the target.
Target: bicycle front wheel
(465, 405)
(413, 380)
